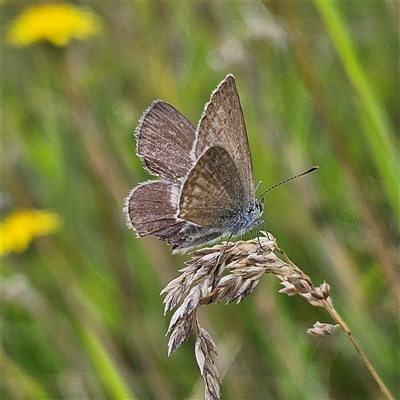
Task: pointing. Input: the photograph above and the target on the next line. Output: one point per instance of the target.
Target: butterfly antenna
(289, 179)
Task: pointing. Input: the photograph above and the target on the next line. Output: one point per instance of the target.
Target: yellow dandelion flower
(21, 227)
(57, 23)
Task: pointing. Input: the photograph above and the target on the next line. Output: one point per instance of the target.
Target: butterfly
(205, 188)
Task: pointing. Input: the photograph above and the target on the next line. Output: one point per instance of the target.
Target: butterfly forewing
(212, 190)
(165, 138)
(222, 124)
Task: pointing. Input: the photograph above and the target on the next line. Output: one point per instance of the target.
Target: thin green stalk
(108, 372)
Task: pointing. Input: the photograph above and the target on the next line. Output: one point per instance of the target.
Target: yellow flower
(57, 23)
(21, 227)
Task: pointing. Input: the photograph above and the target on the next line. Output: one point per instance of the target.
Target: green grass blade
(379, 132)
(108, 372)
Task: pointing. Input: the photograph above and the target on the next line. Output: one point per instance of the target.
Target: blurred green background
(319, 84)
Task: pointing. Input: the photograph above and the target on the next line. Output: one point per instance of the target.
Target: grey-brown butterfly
(205, 188)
